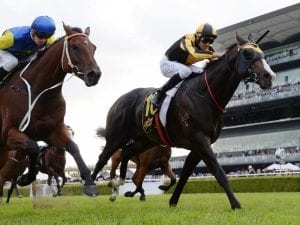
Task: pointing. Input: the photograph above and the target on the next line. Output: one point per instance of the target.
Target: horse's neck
(219, 82)
(47, 70)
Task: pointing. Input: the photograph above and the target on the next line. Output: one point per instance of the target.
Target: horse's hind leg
(107, 152)
(132, 148)
(138, 179)
(168, 171)
(190, 163)
(58, 193)
(10, 190)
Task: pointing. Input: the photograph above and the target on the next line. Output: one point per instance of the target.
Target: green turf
(258, 209)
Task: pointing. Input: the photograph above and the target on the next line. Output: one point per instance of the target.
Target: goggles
(206, 40)
(42, 36)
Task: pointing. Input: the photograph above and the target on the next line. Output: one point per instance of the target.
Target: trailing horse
(53, 162)
(32, 107)
(194, 119)
(14, 167)
(153, 158)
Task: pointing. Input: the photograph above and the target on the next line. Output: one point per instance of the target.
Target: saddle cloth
(154, 119)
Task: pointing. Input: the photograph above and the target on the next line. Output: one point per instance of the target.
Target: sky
(131, 36)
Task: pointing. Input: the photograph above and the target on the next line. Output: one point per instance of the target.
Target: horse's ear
(87, 31)
(67, 29)
(239, 39)
(250, 38)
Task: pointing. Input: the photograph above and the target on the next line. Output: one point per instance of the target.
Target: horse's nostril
(94, 75)
(267, 76)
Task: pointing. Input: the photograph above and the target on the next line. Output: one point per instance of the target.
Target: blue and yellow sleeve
(6, 40)
(51, 40)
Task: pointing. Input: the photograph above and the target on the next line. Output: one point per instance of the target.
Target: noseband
(67, 54)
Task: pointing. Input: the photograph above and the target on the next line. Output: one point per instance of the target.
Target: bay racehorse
(194, 119)
(32, 107)
(53, 162)
(14, 167)
(153, 158)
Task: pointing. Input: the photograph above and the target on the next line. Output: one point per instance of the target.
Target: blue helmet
(44, 25)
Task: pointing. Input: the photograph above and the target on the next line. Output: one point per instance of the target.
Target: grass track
(209, 209)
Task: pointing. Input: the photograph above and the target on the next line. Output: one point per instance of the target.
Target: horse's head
(78, 55)
(251, 64)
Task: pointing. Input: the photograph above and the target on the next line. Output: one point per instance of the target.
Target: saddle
(152, 125)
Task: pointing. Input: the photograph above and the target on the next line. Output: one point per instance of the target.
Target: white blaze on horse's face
(260, 55)
(268, 69)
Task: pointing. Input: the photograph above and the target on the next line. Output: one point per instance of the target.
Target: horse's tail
(100, 132)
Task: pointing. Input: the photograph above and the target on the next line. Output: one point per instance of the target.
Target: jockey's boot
(33, 153)
(157, 98)
(3, 73)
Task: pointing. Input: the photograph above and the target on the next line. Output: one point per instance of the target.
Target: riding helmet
(206, 29)
(44, 25)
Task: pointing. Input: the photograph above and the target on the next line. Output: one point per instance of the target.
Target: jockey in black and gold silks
(177, 63)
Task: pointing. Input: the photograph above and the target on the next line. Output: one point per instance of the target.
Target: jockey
(19, 42)
(178, 60)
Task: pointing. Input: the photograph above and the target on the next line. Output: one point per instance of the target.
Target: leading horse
(32, 107)
(194, 119)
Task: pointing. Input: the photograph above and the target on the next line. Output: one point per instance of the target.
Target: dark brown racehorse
(194, 117)
(32, 107)
(153, 158)
(53, 163)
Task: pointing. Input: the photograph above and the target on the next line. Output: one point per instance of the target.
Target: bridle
(26, 119)
(66, 53)
(252, 78)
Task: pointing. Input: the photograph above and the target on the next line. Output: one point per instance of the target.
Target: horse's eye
(75, 48)
(248, 55)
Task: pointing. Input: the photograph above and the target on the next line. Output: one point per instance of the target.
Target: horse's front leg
(211, 162)
(89, 186)
(17, 140)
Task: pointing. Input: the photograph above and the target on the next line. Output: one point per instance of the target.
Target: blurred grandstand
(257, 122)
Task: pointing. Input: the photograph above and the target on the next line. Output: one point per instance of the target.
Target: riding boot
(157, 98)
(3, 73)
(33, 153)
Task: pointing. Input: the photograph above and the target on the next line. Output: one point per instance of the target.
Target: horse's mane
(212, 63)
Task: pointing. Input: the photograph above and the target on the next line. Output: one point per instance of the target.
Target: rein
(26, 119)
(19, 161)
(219, 107)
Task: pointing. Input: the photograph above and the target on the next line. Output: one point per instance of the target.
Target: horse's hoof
(163, 187)
(25, 179)
(236, 205)
(128, 194)
(20, 196)
(142, 198)
(112, 198)
(172, 205)
(90, 190)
